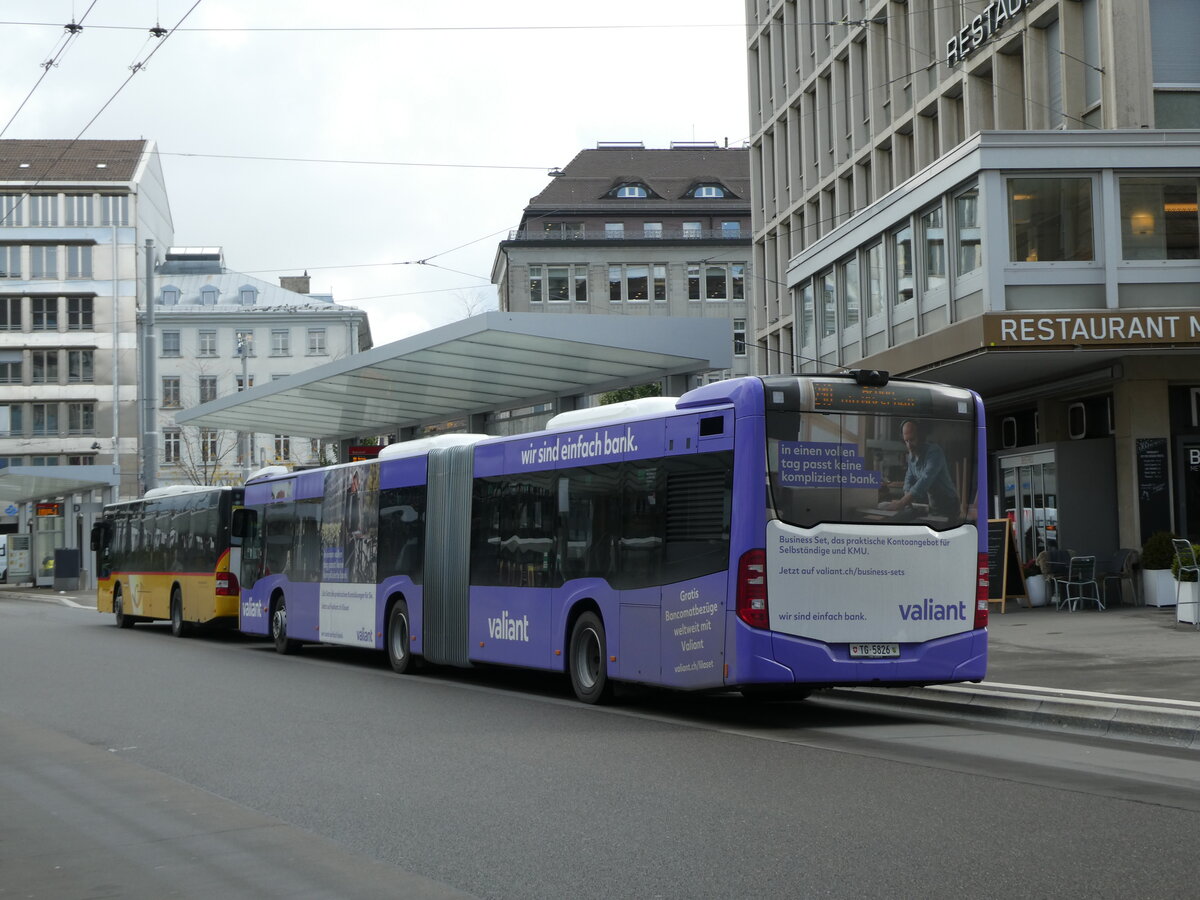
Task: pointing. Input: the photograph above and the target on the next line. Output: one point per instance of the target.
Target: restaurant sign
(1090, 329)
(977, 32)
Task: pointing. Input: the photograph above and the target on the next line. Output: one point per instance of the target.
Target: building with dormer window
(630, 231)
(220, 332)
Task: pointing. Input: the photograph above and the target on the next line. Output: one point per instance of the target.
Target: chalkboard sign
(1154, 500)
(1004, 569)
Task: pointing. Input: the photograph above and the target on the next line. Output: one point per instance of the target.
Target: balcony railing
(635, 234)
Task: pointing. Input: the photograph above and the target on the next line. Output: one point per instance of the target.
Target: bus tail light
(752, 589)
(981, 593)
(227, 584)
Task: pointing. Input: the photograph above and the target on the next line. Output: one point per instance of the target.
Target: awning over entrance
(22, 484)
(496, 360)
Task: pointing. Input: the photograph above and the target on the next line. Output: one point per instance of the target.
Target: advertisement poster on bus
(874, 536)
(349, 550)
(837, 583)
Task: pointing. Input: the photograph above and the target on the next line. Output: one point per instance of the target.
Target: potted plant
(1158, 587)
(1187, 590)
(1035, 583)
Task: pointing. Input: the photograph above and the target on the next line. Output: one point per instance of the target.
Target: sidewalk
(1140, 650)
(1127, 671)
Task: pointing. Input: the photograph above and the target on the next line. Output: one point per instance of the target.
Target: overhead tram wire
(135, 68)
(70, 33)
(641, 26)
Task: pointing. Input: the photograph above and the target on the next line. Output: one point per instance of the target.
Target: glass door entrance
(1189, 488)
(1029, 499)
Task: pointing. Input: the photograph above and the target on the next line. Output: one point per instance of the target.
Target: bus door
(602, 565)
(636, 567)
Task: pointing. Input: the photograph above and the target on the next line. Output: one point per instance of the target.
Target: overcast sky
(496, 94)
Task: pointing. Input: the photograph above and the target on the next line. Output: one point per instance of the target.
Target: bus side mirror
(241, 526)
(100, 533)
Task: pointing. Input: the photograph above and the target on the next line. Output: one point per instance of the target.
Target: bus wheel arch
(279, 629)
(179, 625)
(398, 635)
(587, 654)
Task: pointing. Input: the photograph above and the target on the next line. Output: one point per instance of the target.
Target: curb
(1174, 723)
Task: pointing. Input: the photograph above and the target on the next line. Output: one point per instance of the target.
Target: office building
(1000, 194)
(625, 230)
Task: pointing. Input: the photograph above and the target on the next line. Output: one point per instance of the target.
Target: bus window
(402, 532)
(868, 467)
(279, 522)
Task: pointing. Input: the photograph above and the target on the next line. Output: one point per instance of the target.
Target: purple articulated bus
(770, 535)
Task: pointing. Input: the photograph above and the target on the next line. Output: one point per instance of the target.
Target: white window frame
(80, 210)
(43, 262)
(656, 277)
(79, 260)
(171, 396)
(207, 385)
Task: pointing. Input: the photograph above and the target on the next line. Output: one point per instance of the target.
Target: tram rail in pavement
(1127, 672)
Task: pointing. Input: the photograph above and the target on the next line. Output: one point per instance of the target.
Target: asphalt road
(134, 764)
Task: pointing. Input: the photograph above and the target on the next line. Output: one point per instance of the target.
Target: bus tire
(123, 620)
(587, 660)
(179, 627)
(399, 639)
(283, 644)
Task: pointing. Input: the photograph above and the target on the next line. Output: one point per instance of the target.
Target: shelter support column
(1140, 410)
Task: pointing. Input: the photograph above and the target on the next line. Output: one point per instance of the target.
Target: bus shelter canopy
(496, 360)
(22, 484)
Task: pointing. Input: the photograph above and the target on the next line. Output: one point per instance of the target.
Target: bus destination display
(843, 396)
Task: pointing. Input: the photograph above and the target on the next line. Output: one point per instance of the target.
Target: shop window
(828, 304)
(902, 283)
(966, 220)
(875, 280)
(1159, 218)
(1050, 219)
(933, 234)
(850, 291)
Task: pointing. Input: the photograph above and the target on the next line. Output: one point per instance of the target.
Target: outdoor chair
(1122, 568)
(1054, 564)
(1079, 584)
(1185, 558)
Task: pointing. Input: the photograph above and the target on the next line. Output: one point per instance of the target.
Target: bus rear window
(871, 467)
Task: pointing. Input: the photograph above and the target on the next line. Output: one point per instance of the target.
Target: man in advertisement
(927, 479)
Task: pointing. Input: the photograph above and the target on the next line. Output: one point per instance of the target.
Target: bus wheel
(279, 628)
(399, 639)
(587, 660)
(123, 621)
(179, 627)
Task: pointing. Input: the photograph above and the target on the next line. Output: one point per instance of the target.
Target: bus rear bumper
(768, 658)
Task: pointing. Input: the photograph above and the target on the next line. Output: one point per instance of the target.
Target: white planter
(1187, 609)
(1158, 587)
(1036, 590)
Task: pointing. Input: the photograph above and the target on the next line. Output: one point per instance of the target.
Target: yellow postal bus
(167, 556)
